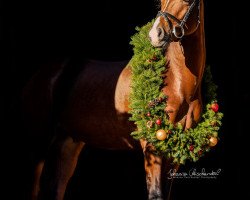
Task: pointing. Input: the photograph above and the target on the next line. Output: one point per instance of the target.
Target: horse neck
(187, 57)
(194, 47)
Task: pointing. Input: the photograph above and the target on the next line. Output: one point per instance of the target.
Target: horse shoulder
(122, 90)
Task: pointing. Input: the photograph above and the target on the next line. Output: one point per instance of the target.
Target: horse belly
(91, 115)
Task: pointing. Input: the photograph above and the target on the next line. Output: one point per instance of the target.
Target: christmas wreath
(147, 104)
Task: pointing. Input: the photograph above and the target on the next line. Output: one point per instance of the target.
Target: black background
(36, 32)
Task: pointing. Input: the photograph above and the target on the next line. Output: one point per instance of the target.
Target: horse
(95, 109)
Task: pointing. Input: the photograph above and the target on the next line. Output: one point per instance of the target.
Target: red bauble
(154, 58)
(215, 107)
(191, 147)
(158, 122)
(200, 152)
(148, 114)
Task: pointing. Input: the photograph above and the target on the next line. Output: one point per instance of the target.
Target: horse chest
(92, 114)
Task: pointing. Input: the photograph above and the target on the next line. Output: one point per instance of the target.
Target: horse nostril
(160, 33)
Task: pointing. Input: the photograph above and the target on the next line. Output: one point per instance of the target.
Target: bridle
(178, 30)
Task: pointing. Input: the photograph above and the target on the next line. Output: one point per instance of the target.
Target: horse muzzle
(159, 37)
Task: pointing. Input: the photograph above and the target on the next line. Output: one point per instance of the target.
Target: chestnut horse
(95, 111)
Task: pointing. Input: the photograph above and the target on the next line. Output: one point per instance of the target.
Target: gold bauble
(213, 141)
(161, 134)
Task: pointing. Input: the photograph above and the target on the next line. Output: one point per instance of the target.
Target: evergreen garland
(147, 104)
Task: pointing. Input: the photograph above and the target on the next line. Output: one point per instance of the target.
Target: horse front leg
(36, 182)
(158, 169)
(153, 169)
(59, 168)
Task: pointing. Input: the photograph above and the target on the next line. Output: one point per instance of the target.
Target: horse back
(38, 97)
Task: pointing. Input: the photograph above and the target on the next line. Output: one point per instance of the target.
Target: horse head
(176, 19)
